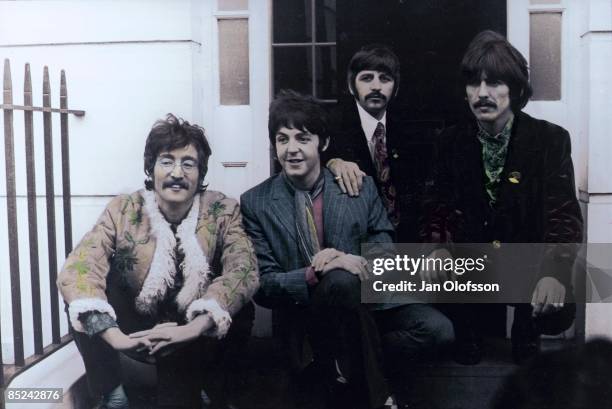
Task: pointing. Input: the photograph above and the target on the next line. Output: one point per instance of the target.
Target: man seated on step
(170, 264)
(506, 177)
(307, 235)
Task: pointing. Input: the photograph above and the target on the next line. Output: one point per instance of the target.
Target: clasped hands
(166, 337)
(548, 295)
(330, 259)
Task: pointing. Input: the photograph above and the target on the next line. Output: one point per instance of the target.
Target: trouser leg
(342, 329)
(179, 377)
(411, 334)
(102, 365)
(207, 363)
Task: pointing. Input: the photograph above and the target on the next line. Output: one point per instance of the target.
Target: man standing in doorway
(370, 140)
(366, 140)
(360, 135)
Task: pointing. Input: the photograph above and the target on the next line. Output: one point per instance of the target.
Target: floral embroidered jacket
(127, 264)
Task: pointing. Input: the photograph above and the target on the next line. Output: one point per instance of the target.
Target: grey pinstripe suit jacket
(269, 218)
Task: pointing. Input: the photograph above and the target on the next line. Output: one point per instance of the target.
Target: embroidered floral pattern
(215, 209)
(238, 281)
(81, 267)
(135, 211)
(124, 260)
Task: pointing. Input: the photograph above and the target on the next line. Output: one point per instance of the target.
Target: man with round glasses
(161, 276)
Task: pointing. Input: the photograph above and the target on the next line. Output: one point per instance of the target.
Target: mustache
(485, 103)
(182, 184)
(376, 94)
(287, 157)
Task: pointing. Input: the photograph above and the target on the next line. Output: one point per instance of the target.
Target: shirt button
(486, 223)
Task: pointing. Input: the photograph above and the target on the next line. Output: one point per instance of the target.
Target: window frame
(312, 44)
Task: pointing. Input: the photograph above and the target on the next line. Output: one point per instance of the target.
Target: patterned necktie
(383, 171)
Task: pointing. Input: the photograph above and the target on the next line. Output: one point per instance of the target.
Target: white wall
(597, 46)
(585, 110)
(127, 63)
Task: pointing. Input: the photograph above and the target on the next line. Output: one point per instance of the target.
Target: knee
(421, 334)
(340, 288)
(440, 330)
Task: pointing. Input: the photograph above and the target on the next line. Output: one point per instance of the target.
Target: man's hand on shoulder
(548, 296)
(348, 175)
(353, 264)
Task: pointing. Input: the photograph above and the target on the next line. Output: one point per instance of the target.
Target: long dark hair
(491, 54)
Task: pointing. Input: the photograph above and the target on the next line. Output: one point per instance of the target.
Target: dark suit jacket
(540, 208)
(411, 156)
(269, 218)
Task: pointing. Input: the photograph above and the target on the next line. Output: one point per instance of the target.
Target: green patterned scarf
(494, 151)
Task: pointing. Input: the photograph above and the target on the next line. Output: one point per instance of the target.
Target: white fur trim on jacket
(196, 272)
(163, 270)
(220, 317)
(82, 305)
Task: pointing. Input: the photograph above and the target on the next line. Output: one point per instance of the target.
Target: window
(304, 47)
(233, 28)
(545, 55)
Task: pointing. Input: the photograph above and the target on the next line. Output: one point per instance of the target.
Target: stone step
(265, 380)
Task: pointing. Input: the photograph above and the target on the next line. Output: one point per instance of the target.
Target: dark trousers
(548, 324)
(342, 330)
(469, 323)
(205, 363)
(411, 334)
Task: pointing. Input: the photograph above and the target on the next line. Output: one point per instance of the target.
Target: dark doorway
(430, 37)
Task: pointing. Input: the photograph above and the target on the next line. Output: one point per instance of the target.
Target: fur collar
(196, 272)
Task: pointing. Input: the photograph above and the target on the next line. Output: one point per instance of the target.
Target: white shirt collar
(369, 123)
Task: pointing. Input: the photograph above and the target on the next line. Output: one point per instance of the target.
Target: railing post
(11, 205)
(65, 165)
(50, 195)
(32, 214)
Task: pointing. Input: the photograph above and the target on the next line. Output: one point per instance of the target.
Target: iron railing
(41, 351)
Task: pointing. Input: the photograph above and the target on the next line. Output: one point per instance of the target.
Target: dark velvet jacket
(536, 200)
(411, 155)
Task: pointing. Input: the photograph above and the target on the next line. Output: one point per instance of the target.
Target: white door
(235, 91)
